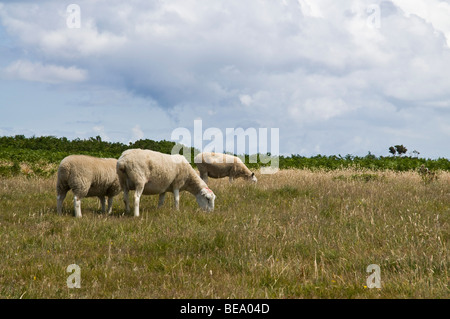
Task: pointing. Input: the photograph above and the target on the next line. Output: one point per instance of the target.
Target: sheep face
(253, 178)
(205, 199)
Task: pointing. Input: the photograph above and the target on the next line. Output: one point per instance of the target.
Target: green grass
(296, 234)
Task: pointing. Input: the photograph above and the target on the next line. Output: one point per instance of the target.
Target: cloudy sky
(336, 77)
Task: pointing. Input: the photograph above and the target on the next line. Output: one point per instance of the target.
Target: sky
(334, 77)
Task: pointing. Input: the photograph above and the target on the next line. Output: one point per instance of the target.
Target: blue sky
(336, 77)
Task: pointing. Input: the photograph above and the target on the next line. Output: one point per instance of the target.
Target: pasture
(296, 234)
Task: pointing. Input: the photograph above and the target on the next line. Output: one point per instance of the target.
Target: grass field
(296, 234)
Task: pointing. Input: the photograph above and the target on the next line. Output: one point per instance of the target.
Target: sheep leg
(204, 177)
(137, 197)
(103, 202)
(161, 199)
(59, 201)
(110, 202)
(176, 196)
(77, 206)
(231, 179)
(126, 200)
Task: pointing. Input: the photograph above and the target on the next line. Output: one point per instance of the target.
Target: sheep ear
(253, 174)
(206, 192)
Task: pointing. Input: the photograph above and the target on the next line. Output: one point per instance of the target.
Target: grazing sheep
(87, 176)
(217, 165)
(150, 173)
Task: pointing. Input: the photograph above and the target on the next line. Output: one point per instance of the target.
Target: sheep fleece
(159, 172)
(218, 165)
(89, 176)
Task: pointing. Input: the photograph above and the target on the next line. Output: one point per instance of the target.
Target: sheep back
(219, 165)
(157, 171)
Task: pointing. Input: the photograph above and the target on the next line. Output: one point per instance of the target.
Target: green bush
(39, 151)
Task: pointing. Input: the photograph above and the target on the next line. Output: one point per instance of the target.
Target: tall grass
(296, 234)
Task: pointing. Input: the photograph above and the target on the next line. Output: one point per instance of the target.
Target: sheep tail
(62, 185)
(121, 167)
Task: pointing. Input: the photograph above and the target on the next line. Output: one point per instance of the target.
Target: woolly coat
(159, 172)
(88, 176)
(217, 165)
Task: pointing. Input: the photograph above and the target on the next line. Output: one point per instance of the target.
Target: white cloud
(246, 99)
(319, 109)
(433, 11)
(100, 130)
(38, 72)
(44, 27)
(138, 134)
(311, 8)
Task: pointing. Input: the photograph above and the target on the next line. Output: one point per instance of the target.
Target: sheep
(216, 165)
(87, 176)
(152, 173)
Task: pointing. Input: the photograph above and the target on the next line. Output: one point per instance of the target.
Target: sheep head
(253, 178)
(205, 199)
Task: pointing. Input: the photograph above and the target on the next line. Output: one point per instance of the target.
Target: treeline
(370, 161)
(93, 145)
(37, 156)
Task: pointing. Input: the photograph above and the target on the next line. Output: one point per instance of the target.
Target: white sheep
(217, 165)
(87, 176)
(150, 173)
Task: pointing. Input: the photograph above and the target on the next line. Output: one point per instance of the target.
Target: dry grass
(297, 234)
